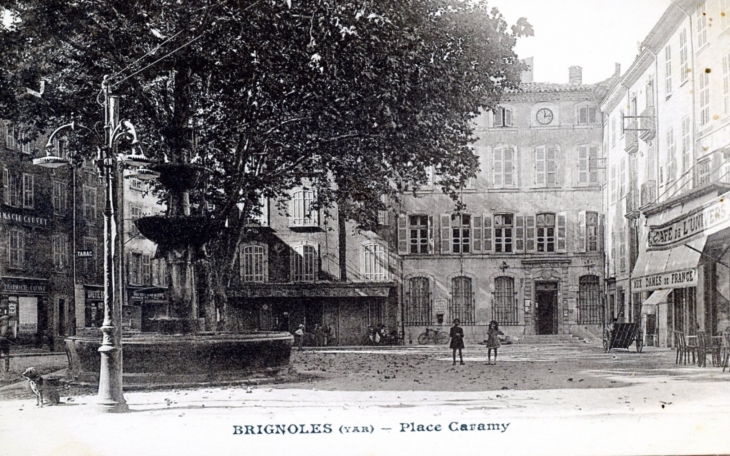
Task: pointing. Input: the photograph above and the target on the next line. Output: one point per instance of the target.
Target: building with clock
(528, 250)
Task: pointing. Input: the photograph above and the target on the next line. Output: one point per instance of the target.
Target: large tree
(355, 98)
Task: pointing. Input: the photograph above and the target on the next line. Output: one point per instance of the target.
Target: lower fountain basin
(151, 359)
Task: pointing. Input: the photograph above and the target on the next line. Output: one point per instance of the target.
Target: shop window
(418, 302)
(504, 311)
(589, 300)
(462, 300)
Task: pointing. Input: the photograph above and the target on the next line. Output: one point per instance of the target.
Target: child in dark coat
(493, 343)
(457, 340)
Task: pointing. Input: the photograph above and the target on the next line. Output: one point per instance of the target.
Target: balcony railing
(632, 137)
(648, 192)
(632, 203)
(646, 124)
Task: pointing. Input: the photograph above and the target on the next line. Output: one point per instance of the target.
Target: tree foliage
(354, 98)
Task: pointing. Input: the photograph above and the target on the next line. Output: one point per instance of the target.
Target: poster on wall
(27, 315)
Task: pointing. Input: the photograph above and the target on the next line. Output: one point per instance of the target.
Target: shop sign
(12, 308)
(675, 279)
(94, 295)
(84, 254)
(27, 219)
(24, 288)
(708, 220)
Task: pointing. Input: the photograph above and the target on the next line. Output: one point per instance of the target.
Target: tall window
(726, 80)
(613, 132)
(134, 268)
(587, 115)
(135, 213)
(375, 262)
(704, 97)
(461, 233)
(305, 263)
(254, 265)
(302, 213)
(683, 56)
(504, 167)
(12, 188)
(703, 172)
(545, 232)
(28, 193)
(589, 302)
(89, 195)
(671, 153)
(16, 249)
(622, 179)
(60, 251)
(668, 70)
(59, 197)
(418, 228)
(503, 233)
(10, 133)
(504, 311)
(592, 231)
(546, 166)
(588, 164)
(418, 308)
(622, 249)
(503, 117)
(686, 145)
(701, 25)
(462, 300)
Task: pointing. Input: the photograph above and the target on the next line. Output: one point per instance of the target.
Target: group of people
(380, 336)
(457, 341)
(320, 337)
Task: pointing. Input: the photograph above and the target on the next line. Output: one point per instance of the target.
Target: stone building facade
(305, 267)
(527, 252)
(667, 136)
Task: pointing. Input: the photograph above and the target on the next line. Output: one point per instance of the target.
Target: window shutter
(582, 241)
(562, 232)
(593, 165)
(551, 166)
(507, 117)
(583, 115)
(519, 233)
(601, 233)
(583, 165)
(510, 176)
(445, 233)
(530, 233)
(402, 234)
(540, 166)
(498, 121)
(431, 241)
(365, 253)
(477, 229)
(487, 233)
(6, 186)
(498, 167)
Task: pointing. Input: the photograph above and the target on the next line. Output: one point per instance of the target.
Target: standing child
(457, 340)
(493, 343)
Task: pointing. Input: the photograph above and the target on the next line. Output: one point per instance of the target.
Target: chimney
(575, 75)
(527, 75)
(617, 71)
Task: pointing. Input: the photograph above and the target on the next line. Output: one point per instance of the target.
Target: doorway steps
(551, 339)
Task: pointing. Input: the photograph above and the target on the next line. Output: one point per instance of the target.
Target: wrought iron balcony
(632, 204)
(632, 137)
(648, 193)
(646, 124)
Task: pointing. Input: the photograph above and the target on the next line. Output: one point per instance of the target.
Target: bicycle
(434, 336)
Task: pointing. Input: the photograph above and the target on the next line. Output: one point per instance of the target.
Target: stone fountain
(181, 352)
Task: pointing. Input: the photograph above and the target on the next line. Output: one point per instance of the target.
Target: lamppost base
(106, 406)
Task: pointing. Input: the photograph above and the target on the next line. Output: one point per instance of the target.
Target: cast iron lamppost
(111, 397)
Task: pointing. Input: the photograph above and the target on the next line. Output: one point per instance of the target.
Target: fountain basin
(152, 359)
(176, 231)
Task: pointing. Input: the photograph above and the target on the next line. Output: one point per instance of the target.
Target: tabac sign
(709, 219)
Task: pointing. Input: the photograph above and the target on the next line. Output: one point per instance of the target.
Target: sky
(592, 34)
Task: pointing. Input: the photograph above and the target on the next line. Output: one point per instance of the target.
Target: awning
(670, 268)
(657, 297)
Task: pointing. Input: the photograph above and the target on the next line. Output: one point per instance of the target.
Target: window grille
(462, 301)
(589, 300)
(504, 310)
(418, 302)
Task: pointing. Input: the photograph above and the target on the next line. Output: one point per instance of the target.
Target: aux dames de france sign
(674, 279)
(710, 219)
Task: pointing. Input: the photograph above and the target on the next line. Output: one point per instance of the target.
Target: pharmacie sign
(676, 279)
(710, 219)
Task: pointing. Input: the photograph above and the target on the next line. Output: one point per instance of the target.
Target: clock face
(544, 116)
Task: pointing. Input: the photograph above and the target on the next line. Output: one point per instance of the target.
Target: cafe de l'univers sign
(707, 220)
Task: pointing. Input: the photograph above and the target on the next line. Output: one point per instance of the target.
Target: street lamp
(110, 397)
